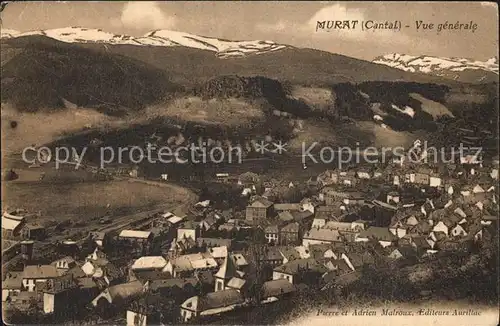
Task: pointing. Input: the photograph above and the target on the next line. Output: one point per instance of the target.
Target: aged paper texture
(257, 162)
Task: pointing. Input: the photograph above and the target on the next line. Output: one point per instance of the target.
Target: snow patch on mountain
(167, 38)
(435, 65)
(406, 110)
(8, 33)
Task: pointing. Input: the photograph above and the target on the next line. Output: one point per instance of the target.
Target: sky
(292, 23)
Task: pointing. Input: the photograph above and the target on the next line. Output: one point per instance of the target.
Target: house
(226, 272)
(443, 226)
(477, 189)
(314, 182)
(406, 252)
(333, 197)
(187, 265)
(318, 223)
(95, 255)
(406, 240)
(102, 270)
(12, 223)
(150, 263)
(398, 160)
(176, 288)
(209, 223)
(494, 173)
(275, 290)
(479, 232)
(240, 260)
(218, 253)
(290, 234)
(393, 197)
(328, 177)
(182, 246)
(272, 257)
(135, 236)
(339, 280)
(100, 238)
(317, 236)
(398, 229)
(347, 178)
(340, 226)
(213, 303)
(33, 231)
(288, 254)
(358, 225)
(396, 180)
(248, 179)
(378, 172)
(149, 310)
(422, 176)
(340, 266)
(357, 260)
(119, 294)
(188, 230)
(222, 177)
(328, 212)
(435, 180)
(304, 218)
(260, 208)
(321, 252)
(214, 242)
(65, 263)
(300, 271)
(145, 275)
(203, 204)
(303, 252)
(287, 207)
(460, 212)
(11, 285)
(363, 174)
(380, 234)
(24, 301)
(384, 205)
(448, 245)
(308, 204)
(173, 219)
(87, 288)
(412, 220)
(285, 216)
(437, 236)
(271, 234)
(458, 231)
(238, 284)
(36, 275)
(422, 243)
(488, 219)
(59, 295)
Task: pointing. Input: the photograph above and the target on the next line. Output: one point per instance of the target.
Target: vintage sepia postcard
(249, 163)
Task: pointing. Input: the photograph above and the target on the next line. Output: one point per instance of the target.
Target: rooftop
(135, 234)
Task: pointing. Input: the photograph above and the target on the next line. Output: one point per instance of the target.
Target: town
(208, 259)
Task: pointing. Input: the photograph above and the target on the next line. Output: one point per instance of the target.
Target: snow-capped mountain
(440, 66)
(166, 38)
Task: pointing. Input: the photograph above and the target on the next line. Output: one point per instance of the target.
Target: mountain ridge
(162, 38)
(448, 67)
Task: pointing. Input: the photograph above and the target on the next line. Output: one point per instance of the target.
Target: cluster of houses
(204, 262)
(18, 224)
